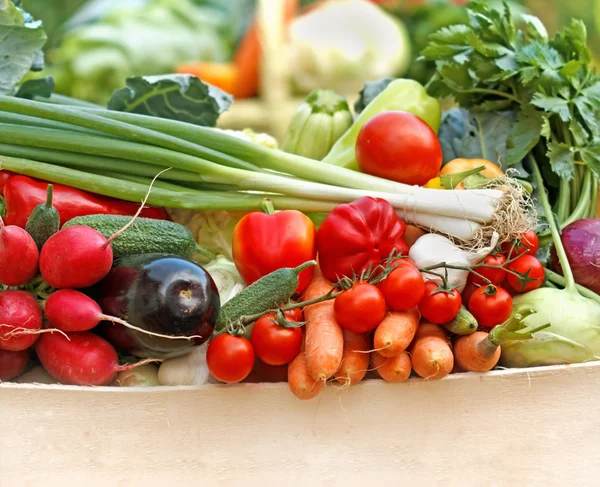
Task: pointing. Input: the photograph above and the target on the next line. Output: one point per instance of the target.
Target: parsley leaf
(561, 159)
(524, 135)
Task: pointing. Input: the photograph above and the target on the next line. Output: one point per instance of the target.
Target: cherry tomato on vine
(527, 243)
(531, 270)
(469, 289)
(274, 344)
(496, 276)
(490, 305)
(439, 306)
(403, 288)
(360, 308)
(230, 358)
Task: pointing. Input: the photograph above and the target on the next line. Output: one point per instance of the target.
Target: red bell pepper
(358, 235)
(22, 194)
(265, 242)
(4, 177)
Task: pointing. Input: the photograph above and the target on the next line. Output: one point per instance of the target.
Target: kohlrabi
(574, 316)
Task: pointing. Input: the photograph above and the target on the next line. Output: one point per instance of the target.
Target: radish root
(18, 331)
(114, 319)
(123, 368)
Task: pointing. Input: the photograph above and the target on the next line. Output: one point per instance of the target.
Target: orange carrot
(221, 75)
(355, 360)
(431, 352)
(248, 55)
(324, 340)
(392, 369)
(395, 332)
(300, 383)
(476, 353)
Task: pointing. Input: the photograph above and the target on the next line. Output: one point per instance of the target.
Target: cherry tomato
(468, 291)
(532, 270)
(490, 305)
(230, 358)
(438, 306)
(273, 344)
(294, 315)
(399, 146)
(403, 288)
(527, 243)
(360, 308)
(496, 276)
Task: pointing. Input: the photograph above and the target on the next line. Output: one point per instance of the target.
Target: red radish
(72, 311)
(75, 257)
(19, 313)
(19, 256)
(12, 364)
(82, 359)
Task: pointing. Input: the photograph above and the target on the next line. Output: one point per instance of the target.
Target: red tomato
(230, 358)
(273, 344)
(399, 146)
(361, 308)
(438, 306)
(528, 243)
(403, 288)
(490, 305)
(294, 315)
(468, 291)
(496, 276)
(531, 269)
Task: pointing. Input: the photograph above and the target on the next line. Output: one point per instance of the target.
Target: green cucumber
(268, 292)
(144, 236)
(44, 221)
(463, 324)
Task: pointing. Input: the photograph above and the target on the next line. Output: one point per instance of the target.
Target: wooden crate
(535, 427)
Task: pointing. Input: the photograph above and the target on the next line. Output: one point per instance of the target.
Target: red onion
(581, 240)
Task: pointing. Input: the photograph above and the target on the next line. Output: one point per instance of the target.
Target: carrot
(300, 383)
(431, 352)
(221, 75)
(395, 332)
(476, 353)
(324, 340)
(248, 55)
(392, 369)
(355, 360)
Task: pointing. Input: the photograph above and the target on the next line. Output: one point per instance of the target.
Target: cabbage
(344, 43)
(226, 277)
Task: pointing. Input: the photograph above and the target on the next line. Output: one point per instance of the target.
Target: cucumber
(463, 324)
(44, 221)
(144, 236)
(268, 292)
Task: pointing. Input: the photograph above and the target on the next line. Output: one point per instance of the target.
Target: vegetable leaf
(475, 135)
(177, 97)
(561, 159)
(524, 135)
(591, 156)
(370, 92)
(41, 87)
(552, 104)
(21, 42)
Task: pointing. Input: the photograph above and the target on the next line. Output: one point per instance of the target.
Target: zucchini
(144, 236)
(44, 221)
(463, 324)
(268, 292)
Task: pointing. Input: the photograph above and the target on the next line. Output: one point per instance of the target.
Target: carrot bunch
(401, 344)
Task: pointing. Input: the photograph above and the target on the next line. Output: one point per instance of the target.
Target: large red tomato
(399, 146)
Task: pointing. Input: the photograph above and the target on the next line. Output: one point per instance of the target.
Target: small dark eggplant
(161, 293)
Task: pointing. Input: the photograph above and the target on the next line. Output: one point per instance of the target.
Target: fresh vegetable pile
(384, 242)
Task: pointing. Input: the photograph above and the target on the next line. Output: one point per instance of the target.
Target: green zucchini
(144, 236)
(463, 324)
(268, 292)
(44, 221)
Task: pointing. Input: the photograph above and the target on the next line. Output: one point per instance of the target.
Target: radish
(81, 359)
(19, 256)
(12, 364)
(20, 320)
(72, 311)
(75, 257)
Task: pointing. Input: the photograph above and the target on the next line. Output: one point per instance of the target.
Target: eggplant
(160, 293)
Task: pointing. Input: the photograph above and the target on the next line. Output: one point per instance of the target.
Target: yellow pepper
(454, 180)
